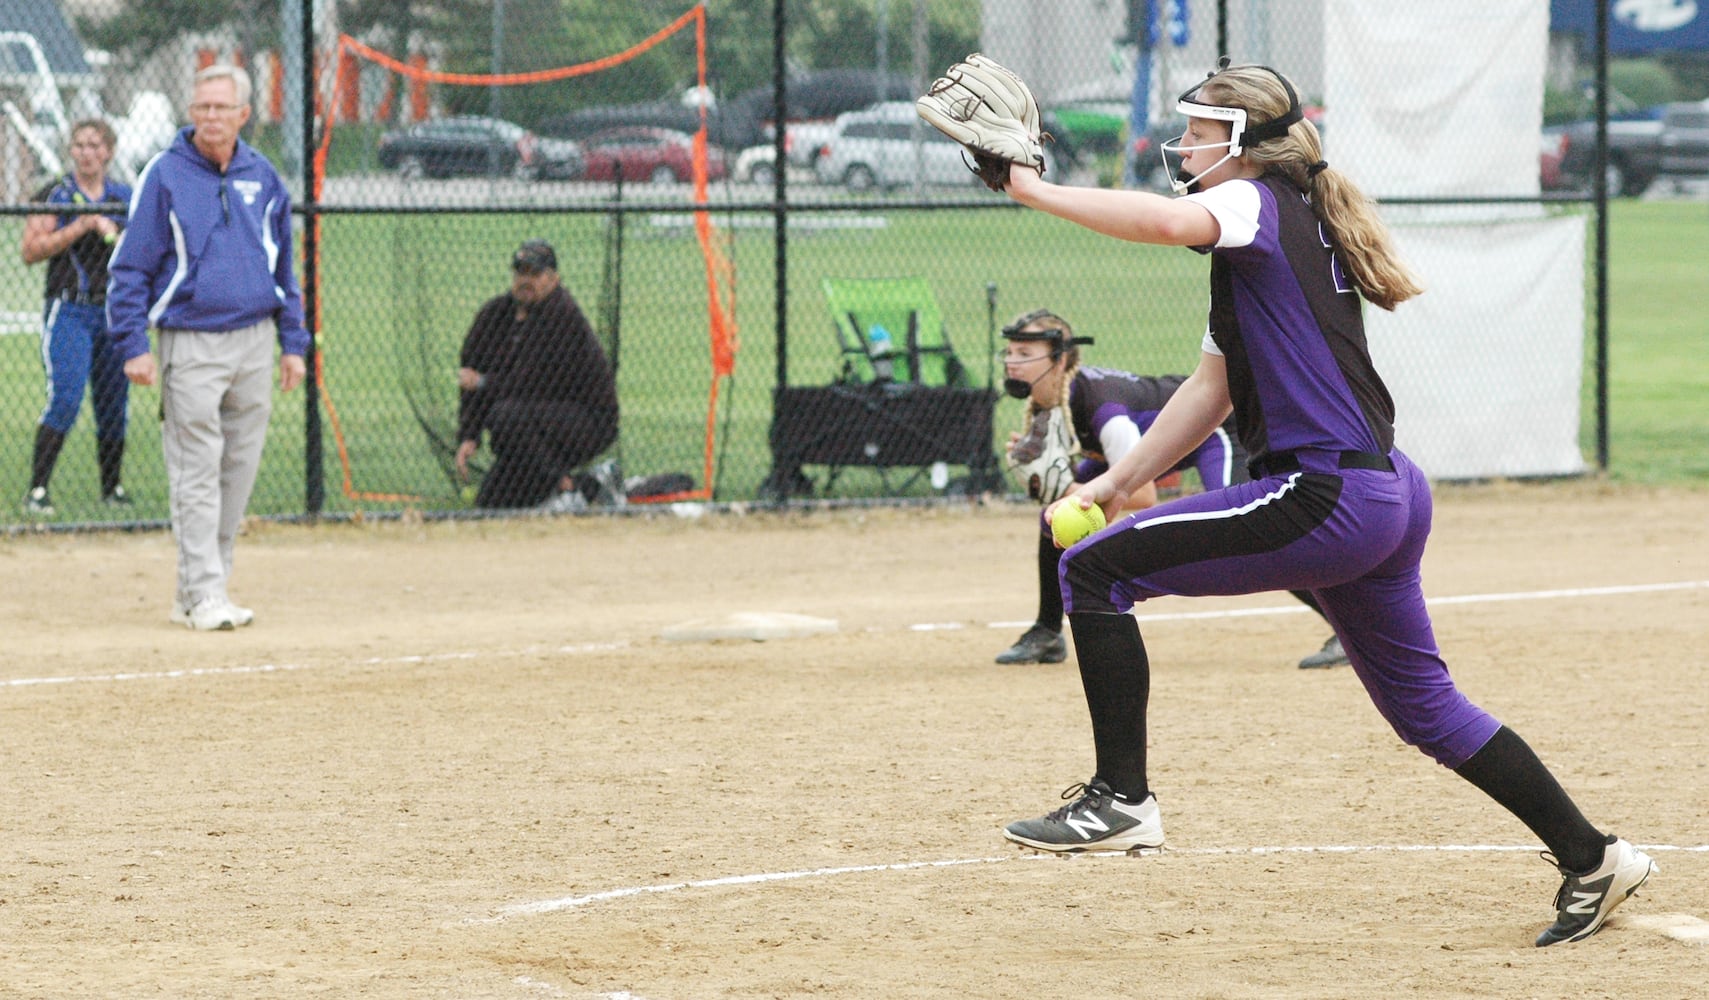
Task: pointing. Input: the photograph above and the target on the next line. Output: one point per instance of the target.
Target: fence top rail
(738, 207)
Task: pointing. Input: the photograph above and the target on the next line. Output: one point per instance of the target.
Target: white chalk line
(426, 658)
(545, 906)
(269, 668)
(1300, 609)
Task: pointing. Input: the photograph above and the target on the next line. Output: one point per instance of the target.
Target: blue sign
(1638, 25)
(1169, 18)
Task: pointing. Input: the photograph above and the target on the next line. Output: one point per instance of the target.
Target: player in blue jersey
(76, 349)
(1107, 412)
(1333, 506)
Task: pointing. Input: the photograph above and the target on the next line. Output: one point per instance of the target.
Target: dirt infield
(456, 760)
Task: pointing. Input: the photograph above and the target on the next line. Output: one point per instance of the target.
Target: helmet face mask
(1179, 179)
(1241, 137)
(1059, 337)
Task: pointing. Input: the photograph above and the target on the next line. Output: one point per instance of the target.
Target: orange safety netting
(720, 273)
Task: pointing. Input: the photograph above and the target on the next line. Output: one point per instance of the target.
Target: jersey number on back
(1338, 274)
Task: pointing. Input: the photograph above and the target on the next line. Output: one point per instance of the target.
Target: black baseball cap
(533, 257)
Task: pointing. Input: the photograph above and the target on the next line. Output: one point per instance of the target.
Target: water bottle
(880, 347)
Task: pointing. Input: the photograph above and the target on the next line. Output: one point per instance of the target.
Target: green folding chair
(905, 308)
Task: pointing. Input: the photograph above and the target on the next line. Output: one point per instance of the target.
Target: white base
(755, 625)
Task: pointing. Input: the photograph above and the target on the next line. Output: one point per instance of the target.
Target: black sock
(1117, 678)
(111, 454)
(1508, 771)
(48, 443)
(1049, 587)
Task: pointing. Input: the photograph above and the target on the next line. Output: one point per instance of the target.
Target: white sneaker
(210, 614)
(240, 615)
(569, 501)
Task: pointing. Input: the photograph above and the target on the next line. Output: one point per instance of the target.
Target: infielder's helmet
(1059, 334)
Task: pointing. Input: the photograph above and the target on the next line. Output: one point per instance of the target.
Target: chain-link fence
(735, 282)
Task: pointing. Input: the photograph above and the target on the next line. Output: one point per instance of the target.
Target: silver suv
(874, 148)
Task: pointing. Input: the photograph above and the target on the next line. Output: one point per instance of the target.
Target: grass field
(1658, 365)
(398, 292)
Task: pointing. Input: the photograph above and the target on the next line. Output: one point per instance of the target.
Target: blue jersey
(205, 251)
(79, 272)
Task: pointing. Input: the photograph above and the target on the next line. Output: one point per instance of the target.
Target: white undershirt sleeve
(1235, 205)
(1118, 438)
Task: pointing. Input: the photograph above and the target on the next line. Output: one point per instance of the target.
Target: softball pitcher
(1333, 507)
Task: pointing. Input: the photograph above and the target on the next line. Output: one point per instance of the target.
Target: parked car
(874, 148)
(756, 165)
(644, 153)
(1551, 146)
(727, 128)
(816, 98)
(1674, 143)
(444, 147)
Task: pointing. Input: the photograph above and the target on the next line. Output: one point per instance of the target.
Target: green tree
(142, 26)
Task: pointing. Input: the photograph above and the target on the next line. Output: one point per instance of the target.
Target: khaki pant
(216, 391)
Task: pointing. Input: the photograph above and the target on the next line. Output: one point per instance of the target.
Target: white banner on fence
(1435, 99)
(1444, 100)
(1486, 366)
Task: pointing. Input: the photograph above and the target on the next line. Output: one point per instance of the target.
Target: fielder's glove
(1043, 458)
(990, 111)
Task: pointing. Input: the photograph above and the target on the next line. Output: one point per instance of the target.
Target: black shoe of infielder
(1096, 820)
(1331, 655)
(1586, 899)
(1037, 645)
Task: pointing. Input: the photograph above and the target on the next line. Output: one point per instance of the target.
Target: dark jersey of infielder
(1113, 409)
(1293, 316)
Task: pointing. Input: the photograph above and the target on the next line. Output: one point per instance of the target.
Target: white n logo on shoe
(1090, 822)
(1587, 902)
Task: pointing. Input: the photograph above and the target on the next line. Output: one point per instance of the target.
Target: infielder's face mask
(1240, 136)
(1059, 338)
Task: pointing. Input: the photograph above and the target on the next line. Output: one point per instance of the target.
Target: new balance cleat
(1586, 899)
(1096, 820)
(1037, 645)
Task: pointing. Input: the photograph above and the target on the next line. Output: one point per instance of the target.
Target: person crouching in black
(534, 377)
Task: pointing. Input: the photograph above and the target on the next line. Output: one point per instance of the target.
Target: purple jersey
(1287, 320)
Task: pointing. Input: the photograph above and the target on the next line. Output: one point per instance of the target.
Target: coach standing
(205, 260)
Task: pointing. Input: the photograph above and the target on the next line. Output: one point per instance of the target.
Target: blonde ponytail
(1357, 230)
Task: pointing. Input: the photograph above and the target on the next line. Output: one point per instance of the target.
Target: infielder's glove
(1043, 457)
(990, 111)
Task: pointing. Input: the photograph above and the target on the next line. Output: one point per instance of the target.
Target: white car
(875, 148)
(757, 165)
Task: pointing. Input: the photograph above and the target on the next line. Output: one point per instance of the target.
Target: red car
(644, 153)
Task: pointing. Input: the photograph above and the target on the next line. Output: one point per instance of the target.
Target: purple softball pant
(1354, 537)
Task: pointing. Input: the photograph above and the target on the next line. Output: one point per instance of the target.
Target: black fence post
(314, 471)
(1599, 186)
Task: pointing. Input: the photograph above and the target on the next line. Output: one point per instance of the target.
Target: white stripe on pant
(217, 393)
